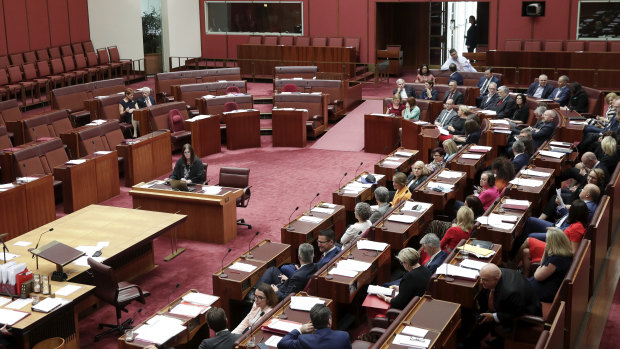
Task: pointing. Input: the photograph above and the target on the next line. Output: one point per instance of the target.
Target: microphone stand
(310, 208)
(289, 228)
(249, 255)
(223, 275)
(340, 182)
(4, 248)
(358, 167)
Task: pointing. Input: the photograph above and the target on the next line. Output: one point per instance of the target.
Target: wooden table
(196, 328)
(497, 136)
(146, 157)
(428, 139)
(400, 160)
(299, 231)
(242, 129)
(440, 200)
(27, 206)
(468, 165)
(237, 284)
(398, 234)
(211, 217)
(206, 134)
(91, 182)
(536, 195)
(381, 133)
(289, 127)
(498, 235)
(350, 199)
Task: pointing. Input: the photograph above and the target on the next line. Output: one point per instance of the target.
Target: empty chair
(92, 73)
(531, 45)
(574, 45)
(553, 45)
(12, 90)
(255, 40)
(270, 40)
(17, 78)
(45, 72)
(334, 42)
(54, 52)
(319, 42)
(93, 62)
(177, 128)
(30, 57)
(237, 178)
(302, 41)
(16, 58)
(353, 42)
(4, 62)
(80, 75)
(104, 59)
(43, 55)
(118, 294)
(77, 48)
(232, 89)
(597, 46)
(88, 46)
(66, 50)
(59, 69)
(115, 58)
(289, 88)
(614, 46)
(286, 40)
(512, 45)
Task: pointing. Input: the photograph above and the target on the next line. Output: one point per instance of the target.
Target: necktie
(500, 102)
(491, 301)
(483, 89)
(148, 102)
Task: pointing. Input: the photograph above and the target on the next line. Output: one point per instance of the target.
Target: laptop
(176, 184)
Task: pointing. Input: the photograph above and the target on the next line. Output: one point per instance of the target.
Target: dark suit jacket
(491, 104)
(436, 262)
(456, 77)
(449, 118)
(483, 79)
(560, 95)
(142, 102)
(328, 257)
(424, 96)
(546, 90)
(506, 108)
(514, 296)
(297, 282)
(473, 138)
(222, 340)
(613, 125)
(379, 212)
(544, 133)
(458, 97)
(416, 182)
(197, 172)
(579, 102)
(320, 339)
(408, 89)
(520, 160)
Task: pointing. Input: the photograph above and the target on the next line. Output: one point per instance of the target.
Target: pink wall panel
(354, 24)
(59, 22)
(3, 50)
(16, 24)
(323, 18)
(233, 41)
(38, 25)
(214, 46)
(78, 20)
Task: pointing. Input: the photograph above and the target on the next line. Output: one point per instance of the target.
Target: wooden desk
(398, 234)
(206, 134)
(440, 200)
(72, 139)
(504, 237)
(410, 137)
(440, 318)
(242, 129)
(343, 289)
(91, 182)
(299, 231)
(557, 164)
(536, 195)
(210, 217)
(289, 127)
(27, 206)
(350, 199)
(570, 128)
(8, 164)
(400, 160)
(461, 291)
(428, 139)
(238, 283)
(197, 328)
(381, 133)
(283, 307)
(146, 157)
(467, 165)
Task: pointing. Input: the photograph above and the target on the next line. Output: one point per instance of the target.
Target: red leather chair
(289, 88)
(597, 46)
(16, 58)
(80, 75)
(230, 106)
(43, 55)
(237, 178)
(319, 41)
(255, 40)
(232, 89)
(302, 41)
(44, 72)
(30, 57)
(574, 45)
(54, 52)
(4, 62)
(270, 40)
(176, 121)
(553, 46)
(286, 40)
(512, 45)
(531, 45)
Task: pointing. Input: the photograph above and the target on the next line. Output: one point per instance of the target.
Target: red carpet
(611, 334)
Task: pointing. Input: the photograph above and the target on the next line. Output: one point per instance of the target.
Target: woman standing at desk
(126, 107)
(264, 300)
(189, 167)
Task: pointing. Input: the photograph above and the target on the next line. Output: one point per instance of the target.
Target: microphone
(131, 319)
(358, 167)
(310, 208)
(249, 255)
(34, 131)
(94, 146)
(40, 236)
(223, 275)
(289, 228)
(339, 188)
(382, 153)
(25, 169)
(174, 289)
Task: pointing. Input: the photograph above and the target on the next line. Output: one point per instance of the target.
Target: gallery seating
(165, 81)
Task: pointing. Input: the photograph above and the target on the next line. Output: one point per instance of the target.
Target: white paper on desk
(376, 289)
(6, 186)
(49, 304)
(409, 205)
(443, 186)
(19, 303)
(342, 272)
(22, 243)
(450, 174)
(328, 205)
(443, 131)
(187, 310)
(472, 264)
(9, 256)
(10, 317)
(83, 261)
(560, 149)
(517, 202)
(471, 156)
(26, 179)
(273, 341)
(420, 122)
(88, 250)
(499, 122)
(67, 290)
(356, 184)
(535, 173)
(159, 329)
(577, 122)
(200, 298)
(379, 114)
(403, 153)
(208, 96)
(248, 268)
(393, 158)
(371, 245)
(285, 326)
(414, 331)
(501, 225)
(99, 121)
(526, 182)
(102, 152)
(102, 244)
(310, 219)
(488, 112)
(503, 131)
(402, 218)
(553, 154)
(560, 144)
(390, 163)
(211, 189)
(484, 220)
(350, 192)
(354, 265)
(411, 342)
(305, 303)
(4, 301)
(455, 270)
(503, 218)
(323, 210)
(480, 147)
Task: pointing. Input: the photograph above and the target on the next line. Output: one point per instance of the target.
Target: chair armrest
(530, 320)
(380, 322)
(392, 313)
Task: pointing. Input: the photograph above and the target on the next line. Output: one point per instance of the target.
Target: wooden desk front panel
(40, 202)
(469, 166)
(150, 158)
(390, 171)
(107, 176)
(289, 128)
(206, 135)
(504, 237)
(79, 185)
(243, 129)
(13, 211)
(381, 133)
(349, 200)
(536, 195)
(428, 139)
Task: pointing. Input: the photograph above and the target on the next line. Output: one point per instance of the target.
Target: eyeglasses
(257, 297)
(322, 242)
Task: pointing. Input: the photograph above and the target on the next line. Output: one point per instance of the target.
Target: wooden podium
(242, 129)
(289, 127)
(206, 135)
(381, 133)
(147, 157)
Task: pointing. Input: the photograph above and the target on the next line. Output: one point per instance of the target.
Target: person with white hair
(146, 101)
(540, 88)
(404, 91)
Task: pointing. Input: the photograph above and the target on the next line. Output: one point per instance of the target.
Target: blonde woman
(608, 155)
(458, 126)
(397, 106)
(556, 261)
(462, 229)
(413, 282)
(419, 173)
(450, 147)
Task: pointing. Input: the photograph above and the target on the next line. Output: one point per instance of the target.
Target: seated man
(561, 94)
(382, 196)
(520, 159)
(540, 88)
(453, 94)
(589, 161)
(543, 130)
(489, 101)
(327, 245)
(505, 104)
(506, 295)
(224, 339)
(284, 285)
(405, 91)
(461, 62)
(486, 80)
(317, 334)
(447, 115)
(146, 101)
(454, 75)
(431, 245)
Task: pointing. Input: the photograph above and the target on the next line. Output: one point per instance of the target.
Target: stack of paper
(371, 245)
(49, 304)
(535, 173)
(188, 310)
(342, 272)
(323, 210)
(248, 268)
(310, 219)
(25, 179)
(390, 163)
(553, 154)
(273, 341)
(477, 251)
(560, 144)
(393, 158)
(411, 342)
(375, 289)
(457, 271)
(577, 122)
(414, 331)
(283, 325)
(75, 162)
(488, 112)
(499, 122)
(211, 189)
(404, 153)
(443, 131)
(10, 317)
(479, 148)
(471, 156)
(526, 182)
(354, 265)
(103, 152)
(416, 206)
(67, 290)
(304, 303)
(451, 174)
(402, 218)
(378, 114)
(501, 221)
(517, 203)
(159, 329)
(472, 264)
(7, 186)
(19, 303)
(200, 298)
(421, 122)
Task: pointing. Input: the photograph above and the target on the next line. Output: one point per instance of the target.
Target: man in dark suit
(543, 130)
(216, 320)
(405, 91)
(489, 101)
(382, 196)
(561, 94)
(316, 334)
(146, 101)
(540, 88)
(506, 295)
(485, 80)
(432, 246)
(453, 94)
(284, 285)
(592, 135)
(454, 75)
(327, 246)
(447, 115)
(505, 105)
(520, 158)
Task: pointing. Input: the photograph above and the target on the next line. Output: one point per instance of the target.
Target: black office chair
(237, 178)
(118, 294)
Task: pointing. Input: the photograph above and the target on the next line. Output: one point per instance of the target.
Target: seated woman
(556, 261)
(439, 227)
(607, 153)
(402, 192)
(504, 172)
(424, 74)
(472, 133)
(522, 110)
(464, 224)
(419, 173)
(578, 98)
(264, 300)
(126, 107)
(458, 125)
(601, 121)
(413, 282)
(411, 111)
(362, 214)
(429, 93)
(189, 167)
(439, 161)
(396, 108)
(451, 149)
(487, 193)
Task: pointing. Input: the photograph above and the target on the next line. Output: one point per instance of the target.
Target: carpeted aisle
(348, 133)
(611, 334)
